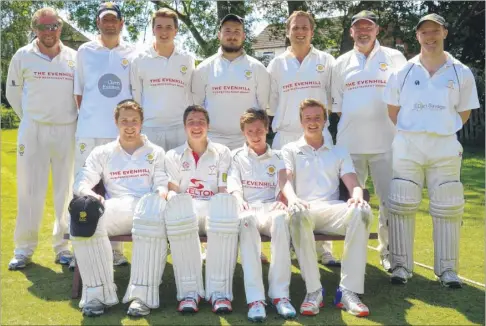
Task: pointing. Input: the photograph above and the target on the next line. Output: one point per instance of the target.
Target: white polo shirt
(202, 179)
(227, 88)
(292, 82)
(103, 79)
(431, 103)
(123, 174)
(162, 86)
(358, 83)
(41, 89)
(316, 172)
(256, 177)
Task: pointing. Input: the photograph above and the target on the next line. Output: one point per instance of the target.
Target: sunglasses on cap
(48, 27)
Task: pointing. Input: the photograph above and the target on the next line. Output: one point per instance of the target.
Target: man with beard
(358, 80)
(429, 100)
(46, 134)
(101, 81)
(229, 82)
(160, 76)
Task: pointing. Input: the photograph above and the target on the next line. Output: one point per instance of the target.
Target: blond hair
(302, 14)
(128, 105)
(47, 11)
(252, 115)
(309, 102)
(164, 12)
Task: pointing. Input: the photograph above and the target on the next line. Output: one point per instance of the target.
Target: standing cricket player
(429, 100)
(101, 81)
(313, 170)
(160, 76)
(46, 134)
(358, 80)
(198, 204)
(229, 82)
(253, 179)
(299, 73)
(132, 170)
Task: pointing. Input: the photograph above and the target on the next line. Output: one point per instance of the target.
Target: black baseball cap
(231, 17)
(433, 18)
(85, 213)
(366, 15)
(109, 8)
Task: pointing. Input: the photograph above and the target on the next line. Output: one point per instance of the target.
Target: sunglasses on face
(47, 27)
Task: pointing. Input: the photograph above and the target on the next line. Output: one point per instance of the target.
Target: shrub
(9, 119)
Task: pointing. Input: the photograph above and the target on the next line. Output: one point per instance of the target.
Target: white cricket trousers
(380, 168)
(274, 224)
(333, 217)
(167, 138)
(42, 148)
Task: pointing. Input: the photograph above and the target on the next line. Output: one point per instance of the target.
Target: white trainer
(138, 309)
(256, 311)
(328, 259)
(449, 279)
(189, 304)
(350, 302)
(93, 308)
(400, 275)
(19, 262)
(312, 303)
(64, 257)
(119, 259)
(220, 304)
(284, 308)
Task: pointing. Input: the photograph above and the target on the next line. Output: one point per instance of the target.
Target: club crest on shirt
(185, 166)
(212, 169)
(150, 158)
(248, 74)
(21, 149)
(183, 69)
(383, 66)
(70, 64)
(82, 147)
(124, 63)
(271, 170)
(319, 68)
(450, 84)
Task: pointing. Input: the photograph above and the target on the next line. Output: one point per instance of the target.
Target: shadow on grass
(47, 284)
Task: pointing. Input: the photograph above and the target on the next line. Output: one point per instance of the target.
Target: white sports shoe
(284, 308)
(449, 279)
(350, 302)
(64, 257)
(312, 303)
(256, 312)
(189, 304)
(93, 308)
(220, 303)
(119, 259)
(385, 262)
(400, 275)
(328, 259)
(138, 309)
(19, 262)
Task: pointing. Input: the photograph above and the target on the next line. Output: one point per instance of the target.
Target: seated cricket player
(312, 189)
(198, 205)
(253, 180)
(132, 170)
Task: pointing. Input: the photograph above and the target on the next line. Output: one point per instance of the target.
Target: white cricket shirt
(103, 79)
(227, 88)
(162, 86)
(41, 89)
(256, 177)
(123, 174)
(202, 179)
(292, 82)
(316, 172)
(358, 83)
(431, 103)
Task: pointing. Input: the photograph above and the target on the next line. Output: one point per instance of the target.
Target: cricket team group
(141, 141)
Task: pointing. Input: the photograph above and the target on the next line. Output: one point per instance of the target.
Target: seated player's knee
(447, 201)
(301, 219)
(280, 221)
(248, 220)
(404, 197)
(148, 217)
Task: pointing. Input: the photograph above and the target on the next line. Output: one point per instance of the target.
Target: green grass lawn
(41, 293)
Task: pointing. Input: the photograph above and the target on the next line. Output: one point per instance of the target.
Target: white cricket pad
(250, 250)
(95, 262)
(446, 208)
(149, 253)
(182, 231)
(403, 203)
(222, 247)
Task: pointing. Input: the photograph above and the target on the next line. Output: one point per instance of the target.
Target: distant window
(269, 53)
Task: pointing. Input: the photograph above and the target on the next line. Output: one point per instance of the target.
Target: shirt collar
(35, 47)
(220, 53)
(144, 138)
(449, 61)
(303, 143)
(376, 47)
(288, 51)
(251, 152)
(210, 147)
(99, 46)
(154, 53)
